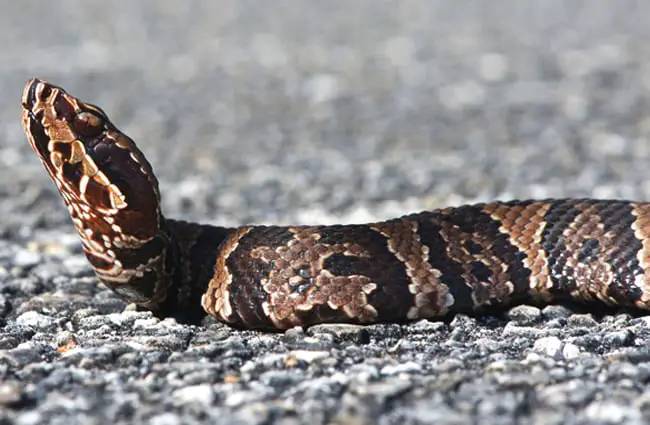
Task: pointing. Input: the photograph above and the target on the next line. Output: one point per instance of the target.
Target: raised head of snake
(107, 185)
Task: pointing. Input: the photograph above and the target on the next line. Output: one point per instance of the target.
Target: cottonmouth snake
(424, 265)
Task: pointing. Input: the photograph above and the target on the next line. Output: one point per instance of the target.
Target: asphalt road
(323, 112)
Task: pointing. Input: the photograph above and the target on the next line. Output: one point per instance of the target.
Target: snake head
(106, 182)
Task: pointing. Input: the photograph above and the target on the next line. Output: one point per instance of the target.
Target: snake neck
(166, 274)
(190, 254)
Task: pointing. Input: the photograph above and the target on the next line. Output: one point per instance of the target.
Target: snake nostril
(35, 90)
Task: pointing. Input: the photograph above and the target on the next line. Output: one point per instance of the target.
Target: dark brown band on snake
(425, 265)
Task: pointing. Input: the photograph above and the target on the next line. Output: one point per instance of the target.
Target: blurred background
(339, 111)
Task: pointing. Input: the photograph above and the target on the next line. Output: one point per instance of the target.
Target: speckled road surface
(323, 112)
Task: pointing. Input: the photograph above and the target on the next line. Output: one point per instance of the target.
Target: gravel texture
(279, 112)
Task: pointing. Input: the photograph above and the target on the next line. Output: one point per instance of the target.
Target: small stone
(8, 342)
(30, 285)
(582, 320)
(363, 373)
(280, 379)
(295, 332)
(296, 339)
(396, 369)
(624, 369)
(462, 321)
(575, 106)
(570, 351)
(400, 51)
(385, 389)
(4, 306)
(65, 341)
(145, 323)
(309, 356)
(35, 320)
(503, 366)
(426, 326)
(524, 314)
(462, 94)
(556, 312)
(231, 379)
(25, 258)
(550, 346)
(342, 332)
(201, 395)
(619, 338)
(608, 412)
(533, 358)
(166, 419)
(643, 321)
(290, 361)
(511, 329)
(10, 393)
(493, 67)
(322, 88)
(450, 365)
(572, 392)
(575, 63)
(609, 144)
(555, 324)
(77, 265)
(269, 50)
(25, 353)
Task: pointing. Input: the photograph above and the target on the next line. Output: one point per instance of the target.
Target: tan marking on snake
(430, 296)
(290, 292)
(524, 225)
(216, 299)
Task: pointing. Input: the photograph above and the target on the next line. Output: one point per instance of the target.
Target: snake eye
(88, 124)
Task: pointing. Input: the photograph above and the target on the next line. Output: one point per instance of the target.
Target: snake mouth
(35, 93)
(33, 125)
(29, 93)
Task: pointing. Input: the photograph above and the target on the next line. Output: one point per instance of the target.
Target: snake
(428, 265)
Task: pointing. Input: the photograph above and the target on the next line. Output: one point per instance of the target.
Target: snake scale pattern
(426, 265)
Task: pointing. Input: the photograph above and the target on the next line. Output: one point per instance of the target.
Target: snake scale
(426, 265)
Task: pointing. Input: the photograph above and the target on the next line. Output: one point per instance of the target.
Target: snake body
(426, 265)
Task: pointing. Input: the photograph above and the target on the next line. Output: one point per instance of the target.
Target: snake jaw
(108, 185)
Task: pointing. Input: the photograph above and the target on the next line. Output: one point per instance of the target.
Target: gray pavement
(322, 112)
